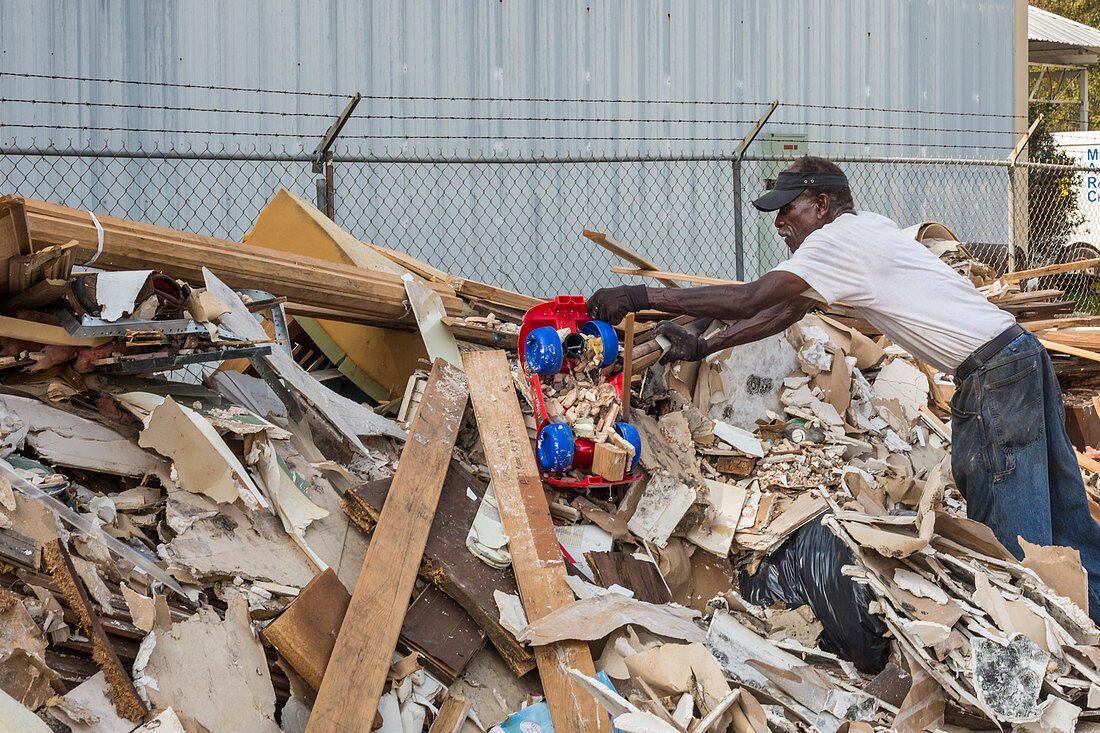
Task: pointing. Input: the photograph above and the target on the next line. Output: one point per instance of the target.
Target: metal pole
(330, 188)
(1083, 95)
(738, 223)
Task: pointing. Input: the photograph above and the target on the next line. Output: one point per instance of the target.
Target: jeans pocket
(1011, 397)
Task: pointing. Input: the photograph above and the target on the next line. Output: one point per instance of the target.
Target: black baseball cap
(789, 184)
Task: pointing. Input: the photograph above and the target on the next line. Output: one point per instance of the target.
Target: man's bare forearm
(767, 322)
(733, 302)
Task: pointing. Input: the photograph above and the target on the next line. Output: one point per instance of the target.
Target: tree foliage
(1052, 194)
(1088, 12)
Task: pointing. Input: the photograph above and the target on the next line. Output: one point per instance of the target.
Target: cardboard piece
(671, 669)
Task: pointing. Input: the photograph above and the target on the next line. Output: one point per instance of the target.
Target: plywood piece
(539, 566)
(305, 633)
(622, 568)
(634, 258)
(385, 356)
(447, 563)
(442, 632)
(351, 689)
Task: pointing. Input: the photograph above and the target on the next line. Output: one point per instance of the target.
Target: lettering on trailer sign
(1092, 195)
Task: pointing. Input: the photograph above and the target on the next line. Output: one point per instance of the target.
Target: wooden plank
(1015, 277)
(664, 274)
(628, 365)
(44, 333)
(1056, 323)
(182, 255)
(36, 296)
(447, 563)
(536, 556)
(452, 714)
(1071, 350)
(357, 670)
(622, 568)
(620, 249)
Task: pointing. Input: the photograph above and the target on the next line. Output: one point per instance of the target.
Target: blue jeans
(1013, 461)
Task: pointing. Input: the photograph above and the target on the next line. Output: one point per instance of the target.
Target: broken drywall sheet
(672, 669)
(142, 609)
(350, 418)
(1061, 569)
(899, 380)
(87, 709)
(14, 718)
(213, 673)
(203, 463)
(751, 376)
(117, 292)
(595, 618)
(62, 438)
(727, 501)
(287, 492)
(222, 541)
(626, 717)
(739, 438)
(663, 503)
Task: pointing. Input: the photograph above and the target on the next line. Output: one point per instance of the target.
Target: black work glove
(612, 304)
(686, 346)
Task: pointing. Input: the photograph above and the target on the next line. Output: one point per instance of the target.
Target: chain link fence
(517, 222)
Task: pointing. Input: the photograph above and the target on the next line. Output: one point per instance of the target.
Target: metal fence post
(738, 156)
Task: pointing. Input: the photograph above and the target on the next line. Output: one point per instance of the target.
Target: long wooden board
(447, 563)
(536, 556)
(634, 258)
(36, 225)
(356, 674)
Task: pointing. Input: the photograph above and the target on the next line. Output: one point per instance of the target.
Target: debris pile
(302, 480)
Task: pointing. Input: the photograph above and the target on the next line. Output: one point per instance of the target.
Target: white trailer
(1084, 149)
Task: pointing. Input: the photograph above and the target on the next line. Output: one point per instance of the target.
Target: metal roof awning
(1055, 40)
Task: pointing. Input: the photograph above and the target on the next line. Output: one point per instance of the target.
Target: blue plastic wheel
(543, 351)
(610, 339)
(555, 447)
(629, 433)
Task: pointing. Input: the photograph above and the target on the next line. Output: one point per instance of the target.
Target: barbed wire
(428, 98)
(492, 138)
(495, 118)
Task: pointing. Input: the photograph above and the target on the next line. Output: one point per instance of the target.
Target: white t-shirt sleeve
(828, 269)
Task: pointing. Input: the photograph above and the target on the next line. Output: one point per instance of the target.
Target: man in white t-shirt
(1011, 457)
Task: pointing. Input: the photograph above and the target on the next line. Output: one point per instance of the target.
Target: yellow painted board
(382, 357)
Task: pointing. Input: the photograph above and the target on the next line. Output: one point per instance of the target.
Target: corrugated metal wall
(933, 55)
(929, 55)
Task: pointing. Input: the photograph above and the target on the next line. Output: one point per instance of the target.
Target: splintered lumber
(28, 226)
(360, 660)
(122, 692)
(447, 563)
(620, 249)
(452, 714)
(1015, 277)
(536, 556)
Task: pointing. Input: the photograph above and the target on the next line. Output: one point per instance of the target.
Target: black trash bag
(805, 570)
